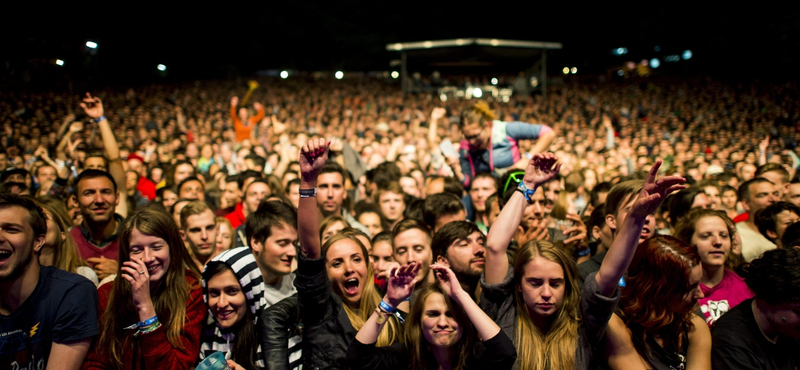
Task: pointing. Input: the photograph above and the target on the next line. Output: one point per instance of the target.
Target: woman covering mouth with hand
(152, 314)
(234, 296)
(335, 286)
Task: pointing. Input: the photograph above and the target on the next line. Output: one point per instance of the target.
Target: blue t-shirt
(62, 309)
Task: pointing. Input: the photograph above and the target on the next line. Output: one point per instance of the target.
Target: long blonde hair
(554, 349)
(370, 298)
(169, 298)
(66, 253)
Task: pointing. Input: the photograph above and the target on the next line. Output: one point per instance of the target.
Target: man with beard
(461, 246)
(47, 316)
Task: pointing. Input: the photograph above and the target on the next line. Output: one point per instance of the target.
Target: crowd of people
(315, 224)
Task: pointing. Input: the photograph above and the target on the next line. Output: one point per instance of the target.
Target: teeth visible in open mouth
(151, 269)
(5, 254)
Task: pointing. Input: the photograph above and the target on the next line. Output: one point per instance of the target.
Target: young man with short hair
(441, 208)
(47, 316)
(411, 241)
(461, 246)
(755, 195)
(271, 233)
(199, 231)
(331, 194)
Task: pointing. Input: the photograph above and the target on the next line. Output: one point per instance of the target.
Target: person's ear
(38, 243)
(183, 235)
(611, 221)
(256, 246)
(442, 261)
(772, 234)
(596, 233)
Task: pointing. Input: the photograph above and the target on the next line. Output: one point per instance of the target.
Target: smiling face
(276, 253)
(347, 270)
(543, 287)
(97, 199)
(226, 299)
(17, 242)
(713, 241)
(439, 326)
(153, 251)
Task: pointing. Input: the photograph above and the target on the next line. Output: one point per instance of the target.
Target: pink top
(720, 299)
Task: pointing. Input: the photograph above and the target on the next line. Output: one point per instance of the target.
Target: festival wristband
(386, 308)
(148, 322)
(100, 119)
(308, 193)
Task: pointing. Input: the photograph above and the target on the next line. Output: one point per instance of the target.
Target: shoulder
(699, 331)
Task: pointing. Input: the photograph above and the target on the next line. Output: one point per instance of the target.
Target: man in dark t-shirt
(46, 314)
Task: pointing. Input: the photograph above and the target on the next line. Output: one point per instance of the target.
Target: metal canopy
(475, 54)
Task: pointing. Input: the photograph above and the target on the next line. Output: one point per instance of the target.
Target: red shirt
(742, 217)
(147, 188)
(154, 350)
(237, 216)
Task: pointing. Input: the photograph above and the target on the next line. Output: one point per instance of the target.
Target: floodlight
(339, 75)
(655, 63)
(395, 74)
(162, 67)
(494, 80)
(59, 62)
(91, 44)
(284, 74)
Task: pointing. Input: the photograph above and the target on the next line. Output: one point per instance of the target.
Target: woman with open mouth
(152, 314)
(554, 322)
(232, 291)
(712, 234)
(335, 286)
(445, 330)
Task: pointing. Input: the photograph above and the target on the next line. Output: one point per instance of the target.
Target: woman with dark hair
(442, 330)
(335, 287)
(713, 234)
(655, 327)
(151, 315)
(763, 332)
(555, 322)
(233, 291)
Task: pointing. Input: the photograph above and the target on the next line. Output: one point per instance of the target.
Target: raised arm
(433, 125)
(313, 156)
(543, 134)
(483, 324)
(625, 242)
(540, 169)
(401, 284)
(93, 107)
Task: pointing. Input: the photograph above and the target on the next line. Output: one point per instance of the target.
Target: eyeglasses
(516, 176)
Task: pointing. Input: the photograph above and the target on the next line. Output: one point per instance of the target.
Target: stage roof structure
(475, 55)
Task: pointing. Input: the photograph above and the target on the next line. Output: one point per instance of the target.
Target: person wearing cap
(19, 175)
(146, 187)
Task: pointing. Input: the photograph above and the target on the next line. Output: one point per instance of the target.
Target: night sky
(739, 38)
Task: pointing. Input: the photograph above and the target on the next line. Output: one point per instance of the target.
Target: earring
(783, 319)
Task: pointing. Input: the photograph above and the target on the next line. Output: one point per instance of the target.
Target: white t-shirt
(753, 243)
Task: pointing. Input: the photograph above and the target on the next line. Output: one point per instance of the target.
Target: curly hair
(775, 277)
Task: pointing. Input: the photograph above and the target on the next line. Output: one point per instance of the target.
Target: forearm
(620, 254)
(484, 325)
(118, 173)
(499, 238)
(543, 143)
(109, 141)
(371, 329)
(308, 222)
(609, 138)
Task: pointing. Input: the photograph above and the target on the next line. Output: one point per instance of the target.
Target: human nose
(546, 292)
(222, 301)
(698, 293)
(148, 255)
(203, 234)
(442, 321)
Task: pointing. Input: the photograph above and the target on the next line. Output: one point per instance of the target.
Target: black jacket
(278, 323)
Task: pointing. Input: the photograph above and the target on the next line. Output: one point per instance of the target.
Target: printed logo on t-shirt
(20, 351)
(714, 309)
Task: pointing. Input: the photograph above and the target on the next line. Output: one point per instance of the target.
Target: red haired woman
(655, 327)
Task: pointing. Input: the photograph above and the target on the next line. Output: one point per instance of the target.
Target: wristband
(148, 322)
(100, 119)
(308, 193)
(386, 308)
(585, 252)
(528, 193)
(383, 316)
